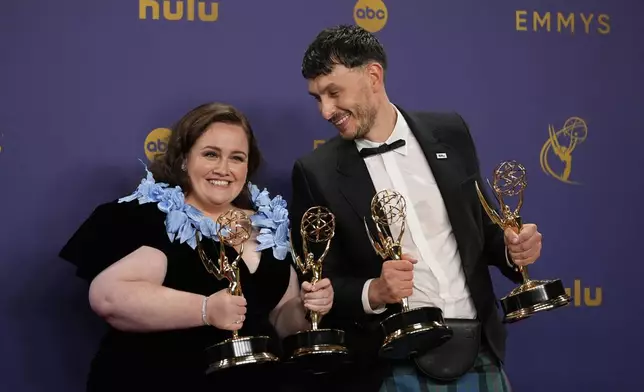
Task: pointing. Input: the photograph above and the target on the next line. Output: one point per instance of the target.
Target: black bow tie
(366, 152)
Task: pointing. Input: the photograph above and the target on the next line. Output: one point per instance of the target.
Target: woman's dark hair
(167, 167)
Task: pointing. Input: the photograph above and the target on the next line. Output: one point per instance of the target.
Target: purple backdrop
(85, 82)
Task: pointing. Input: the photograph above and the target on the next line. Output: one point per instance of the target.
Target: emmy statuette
(532, 296)
(412, 331)
(234, 230)
(317, 350)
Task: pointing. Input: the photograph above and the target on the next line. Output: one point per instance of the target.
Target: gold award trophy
(531, 296)
(412, 331)
(315, 348)
(234, 229)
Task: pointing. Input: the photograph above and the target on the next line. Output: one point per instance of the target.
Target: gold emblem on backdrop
(156, 143)
(586, 296)
(557, 152)
(371, 15)
(176, 10)
(317, 143)
(562, 22)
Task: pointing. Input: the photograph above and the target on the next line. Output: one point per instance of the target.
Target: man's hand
(525, 247)
(395, 282)
(318, 297)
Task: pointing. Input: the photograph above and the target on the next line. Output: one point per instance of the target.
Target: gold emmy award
(316, 348)
(411, 331)
(234, 230)
(531, 296)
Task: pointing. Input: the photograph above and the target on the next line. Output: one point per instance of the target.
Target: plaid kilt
(485, 376)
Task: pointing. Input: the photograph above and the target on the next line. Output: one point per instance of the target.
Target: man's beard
(365, 118)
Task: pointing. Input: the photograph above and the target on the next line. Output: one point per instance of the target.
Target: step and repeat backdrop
(89, 88)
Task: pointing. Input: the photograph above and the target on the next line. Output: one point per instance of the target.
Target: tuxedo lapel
(442, 158)
(354, 180)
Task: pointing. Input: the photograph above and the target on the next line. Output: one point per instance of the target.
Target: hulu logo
(179, 10)
(584, 296)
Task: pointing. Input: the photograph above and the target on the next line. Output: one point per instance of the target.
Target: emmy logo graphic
(561, 144)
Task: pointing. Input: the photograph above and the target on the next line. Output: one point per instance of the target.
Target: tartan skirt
(485, 376)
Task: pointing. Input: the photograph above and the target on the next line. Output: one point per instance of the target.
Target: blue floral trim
(184, 222)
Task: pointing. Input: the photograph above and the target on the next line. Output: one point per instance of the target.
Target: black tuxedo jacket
(335, 176)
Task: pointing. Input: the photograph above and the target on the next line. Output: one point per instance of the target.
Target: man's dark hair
(350, 46)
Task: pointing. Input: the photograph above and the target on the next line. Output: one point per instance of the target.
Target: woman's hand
(226, 311)
(318, 297)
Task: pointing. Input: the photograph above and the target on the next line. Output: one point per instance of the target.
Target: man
(449, 241)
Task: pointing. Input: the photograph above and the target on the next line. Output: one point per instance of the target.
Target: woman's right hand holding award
(225, 311)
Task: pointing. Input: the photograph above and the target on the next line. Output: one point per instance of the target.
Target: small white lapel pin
(441, 155)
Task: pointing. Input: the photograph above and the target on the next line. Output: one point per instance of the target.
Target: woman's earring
(183, 167)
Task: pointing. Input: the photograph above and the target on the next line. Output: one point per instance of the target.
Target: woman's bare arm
(289, 316)
(129, 295)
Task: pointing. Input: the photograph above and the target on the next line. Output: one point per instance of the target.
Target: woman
(149, 283)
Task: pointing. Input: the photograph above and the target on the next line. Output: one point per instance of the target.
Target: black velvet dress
(172, 360)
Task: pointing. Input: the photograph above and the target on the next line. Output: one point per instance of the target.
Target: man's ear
(376, 75)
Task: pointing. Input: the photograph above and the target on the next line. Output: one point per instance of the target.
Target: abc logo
(156, 143)
(371, 15)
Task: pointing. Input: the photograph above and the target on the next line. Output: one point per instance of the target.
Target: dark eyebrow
(219, 150)
(210, 148)
(324, 90)
(240, 152)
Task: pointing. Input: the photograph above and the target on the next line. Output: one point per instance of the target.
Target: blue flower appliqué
(184, 222)
(272, 221)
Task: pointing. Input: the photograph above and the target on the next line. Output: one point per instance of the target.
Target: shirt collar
(401, 131)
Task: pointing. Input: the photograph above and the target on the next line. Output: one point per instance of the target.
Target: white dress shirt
(438, 275)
